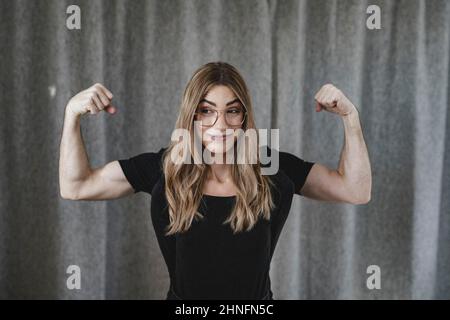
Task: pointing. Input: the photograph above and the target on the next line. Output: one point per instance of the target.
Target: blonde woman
(217, 223)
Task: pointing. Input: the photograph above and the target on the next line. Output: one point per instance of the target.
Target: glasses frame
(218, 112)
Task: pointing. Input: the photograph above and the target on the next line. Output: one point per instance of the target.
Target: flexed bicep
(104, 183)
(326, 184)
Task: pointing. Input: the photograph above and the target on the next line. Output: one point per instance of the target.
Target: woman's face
(220, 113)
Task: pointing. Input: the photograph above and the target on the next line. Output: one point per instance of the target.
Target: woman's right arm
(77, 180)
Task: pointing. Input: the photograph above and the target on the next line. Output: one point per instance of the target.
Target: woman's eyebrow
(228, 103)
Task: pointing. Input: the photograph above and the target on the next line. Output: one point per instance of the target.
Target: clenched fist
(94, 99)
(333, 100)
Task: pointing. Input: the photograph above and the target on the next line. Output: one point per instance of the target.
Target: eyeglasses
(234, 116)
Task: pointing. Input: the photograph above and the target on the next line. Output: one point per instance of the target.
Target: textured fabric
(145, 52)
(208, 261)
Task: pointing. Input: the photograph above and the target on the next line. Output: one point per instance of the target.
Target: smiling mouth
(220, 137)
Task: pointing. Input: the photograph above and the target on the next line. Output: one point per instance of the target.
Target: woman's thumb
(111, 109)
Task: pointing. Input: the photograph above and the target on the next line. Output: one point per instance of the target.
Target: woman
(217, 222)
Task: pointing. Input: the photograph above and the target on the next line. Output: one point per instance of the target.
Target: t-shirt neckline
(218, 197)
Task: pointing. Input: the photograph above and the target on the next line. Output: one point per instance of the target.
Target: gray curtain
(145, 52)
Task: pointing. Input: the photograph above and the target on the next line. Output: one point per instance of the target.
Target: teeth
(219, 137)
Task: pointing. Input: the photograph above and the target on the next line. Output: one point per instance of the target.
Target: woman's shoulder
(273, 156)
(144, 169)
(154, 158)
(289, 165)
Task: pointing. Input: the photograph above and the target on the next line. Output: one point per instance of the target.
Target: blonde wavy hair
(184, 181)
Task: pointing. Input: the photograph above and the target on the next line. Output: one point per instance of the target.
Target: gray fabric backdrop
(145, 52)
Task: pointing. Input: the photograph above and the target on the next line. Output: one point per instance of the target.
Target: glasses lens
(206, 115)
(234, 116)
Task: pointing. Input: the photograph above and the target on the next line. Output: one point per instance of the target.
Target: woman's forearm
(354, 163)
(73, 160)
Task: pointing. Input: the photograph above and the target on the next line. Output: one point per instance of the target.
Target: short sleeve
(295, 168)
(143, 170)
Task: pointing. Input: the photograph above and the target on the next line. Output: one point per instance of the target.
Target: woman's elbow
(68, 194)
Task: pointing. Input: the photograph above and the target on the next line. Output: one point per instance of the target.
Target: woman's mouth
(220, 137)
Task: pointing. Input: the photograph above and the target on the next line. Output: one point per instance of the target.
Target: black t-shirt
(208, 261)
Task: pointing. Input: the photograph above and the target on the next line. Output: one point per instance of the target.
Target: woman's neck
(219, 172)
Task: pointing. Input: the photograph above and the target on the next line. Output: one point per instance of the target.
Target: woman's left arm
(351, 182)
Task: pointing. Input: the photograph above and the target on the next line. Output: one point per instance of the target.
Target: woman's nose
(221, 122)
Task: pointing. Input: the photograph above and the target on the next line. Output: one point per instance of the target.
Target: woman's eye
(205, 111)
(234, 111)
